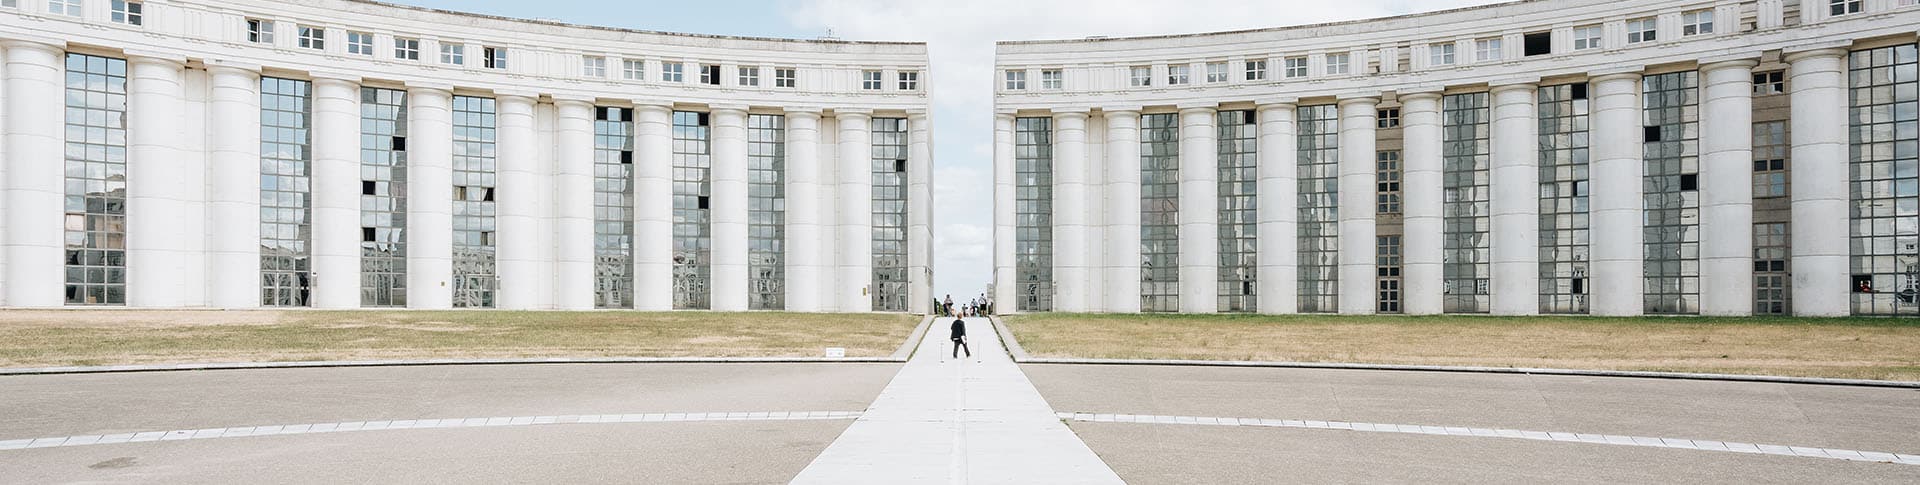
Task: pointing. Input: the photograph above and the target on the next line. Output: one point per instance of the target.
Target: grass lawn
(35, 338)
(1858, 348)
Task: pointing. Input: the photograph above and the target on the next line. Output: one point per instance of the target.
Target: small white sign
(836, 352)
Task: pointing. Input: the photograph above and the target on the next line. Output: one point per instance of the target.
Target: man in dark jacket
(959, 337)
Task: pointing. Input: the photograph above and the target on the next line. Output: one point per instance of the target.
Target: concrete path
(945, 420)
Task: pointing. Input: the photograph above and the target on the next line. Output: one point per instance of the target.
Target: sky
(960, 37)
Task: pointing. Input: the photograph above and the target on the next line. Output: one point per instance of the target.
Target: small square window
(710, 74)
(1538, 43)
(593, 67)
(455, 54)
(1294, 67)
(1587, 37)
(128, 12)
(1338, 64)
(1488, 50)
(1642, 30)
(404, 48)
(1256, 70)
(1440, 54)
(69, 8)
(1843, 7)
(633, 69)
(1696, 22)
(313, 37)
(1768, 83)
(673, 72)
(260, 31)
(909, 80)
(1216, 72)
(1052, 79)
(1142, 76)
(1016, 80)
(1178, 74)
(784, 78)
(494, 57)
(871, 80)
(749, 76)
(1389, 118)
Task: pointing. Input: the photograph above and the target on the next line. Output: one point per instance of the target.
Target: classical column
(1422, 248)
(1726, 188)
(1199, 209)
(1515, 205)
(1278, 208)
(233, 187)
(1821, 225)
(430, 197)
(828, 152)
(573, 197)
(919, 211)
(653, 206)
(1070, 211)
(517, 202)
(1123, 209)
(35, 183)
(1357, 179)
(856, 209)
(3, 177)
(336, 191)
(1004, 295)
(1615, 204)
(165, 189)
(804, 211)
(730, 208)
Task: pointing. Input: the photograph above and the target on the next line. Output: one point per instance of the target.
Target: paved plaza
(937, 419)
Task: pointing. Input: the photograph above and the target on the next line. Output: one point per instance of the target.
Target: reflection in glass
(889, 214)
(383, 197)
(474, 213)
(1564, 237)
(766, 189)
(1464, 161)
(613, 207)
(1319, 198)
(692, 221)
(1033, 214)
(1672, 211)
(1160, 212)
(1239, 179)
(96, 180)
(286, 170)
(1886, 182)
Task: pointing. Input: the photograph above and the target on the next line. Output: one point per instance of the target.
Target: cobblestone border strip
(237, 432)
(423, 362)
(1598, 439)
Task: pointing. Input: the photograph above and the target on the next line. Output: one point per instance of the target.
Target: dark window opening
(399, 143)
(1690, 181)
(701, 119)
(366, 234)
(1580, 91)
(1579, 286)
(1651, 133)
(366, 187)
(900, 166)
(1862, 283)
(626, 156)
(1539, 43)
(486, 195)
(703, 202)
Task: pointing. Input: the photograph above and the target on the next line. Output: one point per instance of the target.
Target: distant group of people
(980, 305)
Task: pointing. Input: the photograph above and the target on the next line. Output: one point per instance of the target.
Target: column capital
(1499, 88)
(1615, 76)
(1111, 111)
(39, 44)
(138, 55)
(430, 86)
(1357, 100)
(1195, 105)
(1276, 102)
(573, 99)
(1081, 110)
(1418, 94)
(1080, 113)
(652, 105)
(334, 76)
(716, 108)
(516, 93)
(1813, 52)
(1715, 64)
(217, 65)
(853, 112)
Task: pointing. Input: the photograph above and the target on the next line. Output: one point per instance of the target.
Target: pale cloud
(961, 36)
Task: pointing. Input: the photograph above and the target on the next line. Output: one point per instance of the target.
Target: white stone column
(35, 183)
(1422, 247)
(336, 191)
(828, 153)
(1070, 273)
(804, 211)
(546, 122)
(1515, 204)
(573, 198)
(1199, 209)
(1726, 188)
(430, 197)
(653, 206)
(730, 208)
(1123, 209)
(919, 211)
(233, 187)
(1357, 179)
(1278, 208)
(1615, 171)
(517, 202)
(856, 210)
(3, 177)
(1005, 297)
(165, 189)
(1821, 225)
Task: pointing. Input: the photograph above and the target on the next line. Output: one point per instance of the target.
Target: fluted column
(336, 191)
(919, 211)
(233, 187)
(165, 197)
(1726, 188)
(1004, 295)
(1615, 205)
(1357, 178)
(730, 208)
(1070, 211)
(1278, 207)
(1515, 205)
(856, 210)
(1422, 247)
(430, 197)
(1199, 209)
(1123, 210)
(804, 212)
(1821, 282)
(517, 202)
(574, 251)
(653, 206)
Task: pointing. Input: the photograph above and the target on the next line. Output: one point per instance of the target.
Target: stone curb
(21, 371)
(913, 340)
(1020, 356)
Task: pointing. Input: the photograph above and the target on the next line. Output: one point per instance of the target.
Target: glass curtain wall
(1464, 162)
(1033, 214)
(1564, 236)
(1886, 182)
(1319, 226)
(383, 197)
(767, 216)
(692, 221)
(1160, 212)
(473, 202)
(889, 214)
(96, 180)
(1671, 192)
(613, 207)
(286, 196)
(1239, 180)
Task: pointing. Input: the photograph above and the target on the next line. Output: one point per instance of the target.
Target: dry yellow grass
(106, 337)
(1858, 348)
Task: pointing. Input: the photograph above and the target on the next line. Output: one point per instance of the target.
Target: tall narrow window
(873, 81)
(1772, 277)
(128, 12)
(633, 69)
(613, 207)
(1770, 152)
(493, 57)
(1296, 67)
(1672, 205)
(286, 208)
(1178, 74)
(383, 197)
(1564, 236)
(1387, 182)
(96, 180)
(1216, 72)
(1642, 30)
(910, 81)
(313, 37)
(359, 43)
(749, 76)
(260, 31)
(889, 214)
(1160, 212)
(1464, 169)
(474, 280)
(1033, 214)
(1256, 70)
(692, 221)
(1319, 227)
(767, 202)
(1016, 80)
(1885, 181)
(1238, 187)
(1587, 37)
(1052, 79)
(406, 49)
(672, 72)
(1696, 22)
(1142, 76)
(593, 67)
(1386, 264)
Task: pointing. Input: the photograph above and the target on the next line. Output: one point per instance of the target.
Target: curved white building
(351, 154)
(1624, 157)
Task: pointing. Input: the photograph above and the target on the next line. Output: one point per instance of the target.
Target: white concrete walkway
(945, 420)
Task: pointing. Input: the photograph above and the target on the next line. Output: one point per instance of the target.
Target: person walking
(959, 337)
